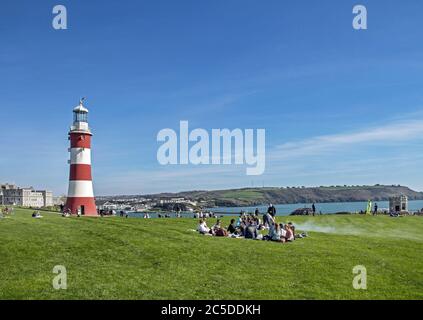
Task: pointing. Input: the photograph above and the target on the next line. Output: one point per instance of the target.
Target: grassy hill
(258, 196)
(118, 258)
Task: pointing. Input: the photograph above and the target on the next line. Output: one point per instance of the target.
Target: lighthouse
(80, 198)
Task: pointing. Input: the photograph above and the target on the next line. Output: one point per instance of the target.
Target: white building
(25, 197)
(176, 201)
(398, 204)
(106, 205)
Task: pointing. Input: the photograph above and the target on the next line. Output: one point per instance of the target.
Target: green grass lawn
(118, 258)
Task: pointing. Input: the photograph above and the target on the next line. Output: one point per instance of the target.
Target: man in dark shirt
(271, 210)
(232, 228)
(375, 211)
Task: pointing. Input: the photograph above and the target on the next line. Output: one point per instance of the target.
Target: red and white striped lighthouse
(80, 193)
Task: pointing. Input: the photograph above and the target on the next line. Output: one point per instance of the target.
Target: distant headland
(281, 195)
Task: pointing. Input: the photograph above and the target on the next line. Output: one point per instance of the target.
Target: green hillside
(288, 195)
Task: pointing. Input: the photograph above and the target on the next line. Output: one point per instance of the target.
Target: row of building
(11, 194)
(140, 204)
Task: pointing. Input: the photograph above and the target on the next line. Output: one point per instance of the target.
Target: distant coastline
(246, 197)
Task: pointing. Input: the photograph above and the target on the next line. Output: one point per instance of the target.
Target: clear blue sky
(339, 106)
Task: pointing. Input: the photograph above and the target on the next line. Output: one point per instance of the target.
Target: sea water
(325, 208)
(287, 209)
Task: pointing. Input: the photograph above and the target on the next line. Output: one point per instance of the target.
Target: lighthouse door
(83, 210)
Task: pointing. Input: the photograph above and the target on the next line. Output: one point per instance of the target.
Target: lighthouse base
(85, 206)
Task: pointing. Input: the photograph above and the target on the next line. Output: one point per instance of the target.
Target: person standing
(375, 210)
(265, 220)
(271, 210)
(313, 207)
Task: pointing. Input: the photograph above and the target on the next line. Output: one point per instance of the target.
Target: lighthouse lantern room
(80, 198)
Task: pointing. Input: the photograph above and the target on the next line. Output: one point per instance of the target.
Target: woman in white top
(202, 227)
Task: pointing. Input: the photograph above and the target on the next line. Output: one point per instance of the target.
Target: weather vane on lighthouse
(80, 198)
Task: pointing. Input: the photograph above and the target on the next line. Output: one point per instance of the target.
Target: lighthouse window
(81, 117)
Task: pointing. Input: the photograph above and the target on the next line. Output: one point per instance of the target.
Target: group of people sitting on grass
(251, 227)
(68, 213)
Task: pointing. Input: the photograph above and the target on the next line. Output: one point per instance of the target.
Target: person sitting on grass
(395, 215)
(203, 228)
(292, 227)
(277, 233)
(217, 225)
(232, 227)
(36, 214)
(250, 231)
(259, 224)
(243, 227)
(218, 230)
(289, 236)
